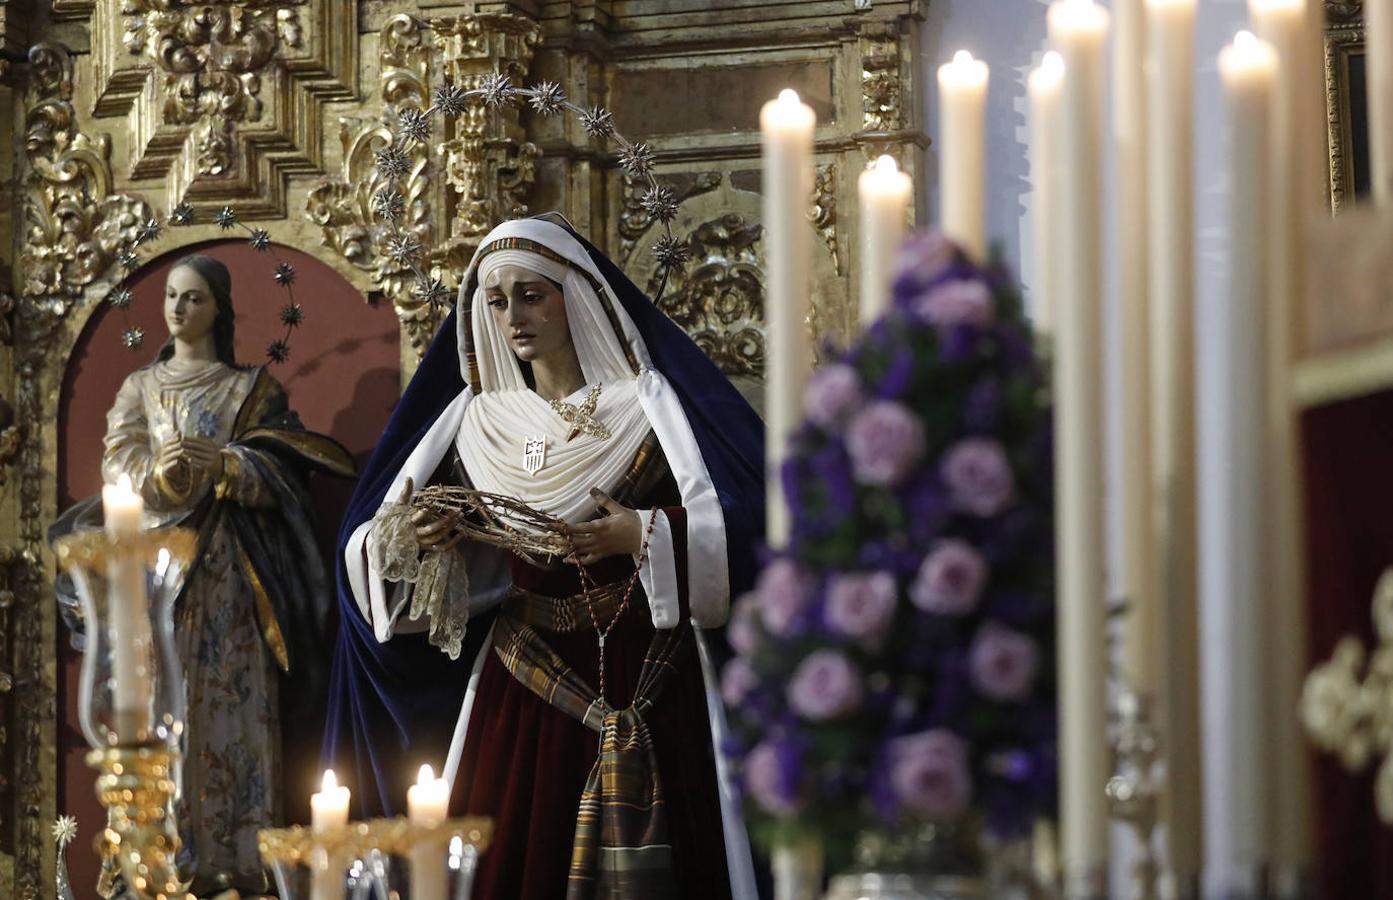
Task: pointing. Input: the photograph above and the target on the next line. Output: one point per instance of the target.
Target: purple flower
(737, 680)
(923, 259)
(1003, 663)
(833, 393)
(950, 580)
(743, 631)
(982, 408)
(959, 302)
(824, 686)
(784, 590)
(928, 772)
(861, 606)
(770, 782)
(885, 441)
(978, 476)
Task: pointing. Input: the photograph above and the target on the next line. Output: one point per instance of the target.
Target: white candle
(1236, 827)
(1078, 30)
(1170, 264)
(1378, 66)
(1141, 641)
(130, 633)
(962, 103)
(884, 193)
(1292, 197)
(1044, 86)
(786, 127)
(328, 812)
(427, 805)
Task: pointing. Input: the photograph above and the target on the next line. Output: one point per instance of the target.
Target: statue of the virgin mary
(573, 702)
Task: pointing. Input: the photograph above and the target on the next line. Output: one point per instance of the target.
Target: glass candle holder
(131, 689)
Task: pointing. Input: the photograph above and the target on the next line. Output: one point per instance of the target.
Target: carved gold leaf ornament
(718, 300)
(1348, 710)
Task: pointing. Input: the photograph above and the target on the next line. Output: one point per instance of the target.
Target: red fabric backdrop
(1349, 499)
(342, 377)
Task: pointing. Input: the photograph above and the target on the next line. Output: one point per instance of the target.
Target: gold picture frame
(1345, 102)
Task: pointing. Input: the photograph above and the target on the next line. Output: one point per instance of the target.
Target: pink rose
(833, 393)
(950, 579)
(824, 686)
(978, 476)
(924, 257)
(885, 440)
(743, 630)
(861, 606)
(1003, 663)
(929, 775)
(737, 680)
(772, 788)
(956, 303)
(784, 590)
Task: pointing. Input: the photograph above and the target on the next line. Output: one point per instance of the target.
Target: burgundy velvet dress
(525, 762)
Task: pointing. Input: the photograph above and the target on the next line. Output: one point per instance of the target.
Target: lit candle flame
(330, 782)
(426, 775)
(885, 164)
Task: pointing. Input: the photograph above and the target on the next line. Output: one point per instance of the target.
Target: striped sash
(622, 850)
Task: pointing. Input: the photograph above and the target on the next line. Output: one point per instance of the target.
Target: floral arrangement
(894, 666)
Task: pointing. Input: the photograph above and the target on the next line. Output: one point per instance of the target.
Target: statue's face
(530, 312)
(189, 307)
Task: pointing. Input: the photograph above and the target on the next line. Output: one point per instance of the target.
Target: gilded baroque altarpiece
(122, 108)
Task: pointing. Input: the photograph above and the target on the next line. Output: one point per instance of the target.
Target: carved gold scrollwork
(73, 225)
(882, 105)
(719, 298)
(634, 220)
(824, 211)
(488, 168)
(343, 208)
(223, 97)
(489, 165)
(1344, 10)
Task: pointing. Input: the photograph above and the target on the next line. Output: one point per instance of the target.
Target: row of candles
(1253, 571)
(427, 806)
(427, 801)
(1274, 123)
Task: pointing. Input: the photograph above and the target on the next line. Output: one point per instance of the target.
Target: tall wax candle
(1287, 26)
(1171, 267)
(1044, 86)
(1378, 64)
(962, 100)
(427, 805)
(1236, 820)
(328, 813)
(786, 129)
(884, 193)
(130, 633)
(1078, 30)
(1141, 641)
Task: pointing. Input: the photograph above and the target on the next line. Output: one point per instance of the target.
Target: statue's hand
(618, 532)
(174, 476)
(435, 530)
(204, 454)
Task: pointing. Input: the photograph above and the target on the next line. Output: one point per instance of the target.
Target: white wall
(1008, 35)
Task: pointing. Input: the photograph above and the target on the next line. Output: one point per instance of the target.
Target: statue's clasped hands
(199, 454)
(618, 532)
